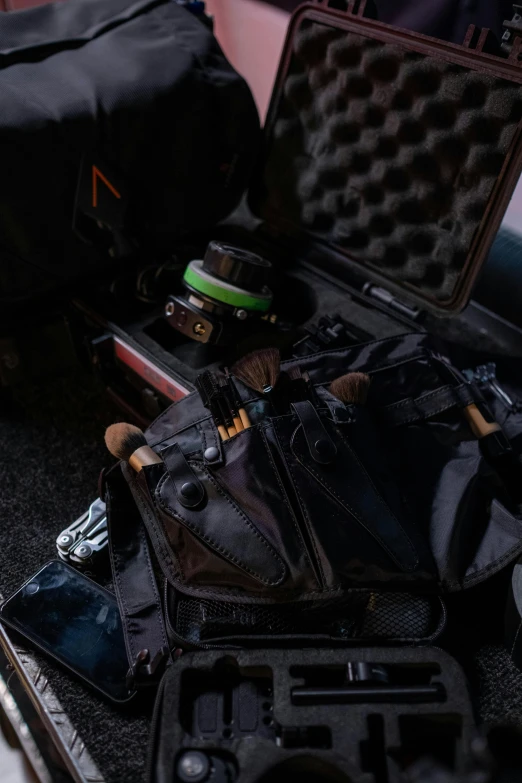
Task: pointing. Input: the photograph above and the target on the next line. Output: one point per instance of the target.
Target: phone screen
(76, 621)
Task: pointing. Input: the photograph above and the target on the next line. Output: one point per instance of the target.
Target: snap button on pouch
(211, 454)
(325, 448)
(322, 449)
(189, 490)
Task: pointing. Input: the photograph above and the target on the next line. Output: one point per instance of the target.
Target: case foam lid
(399, 150)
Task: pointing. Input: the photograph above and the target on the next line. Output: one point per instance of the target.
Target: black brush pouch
(280, 543)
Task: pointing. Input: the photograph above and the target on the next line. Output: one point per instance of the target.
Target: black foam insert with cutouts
(237, 706)
(390, 154)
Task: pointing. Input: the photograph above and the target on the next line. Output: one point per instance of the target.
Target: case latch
(481, 39)
(366, 8)
(385, 297)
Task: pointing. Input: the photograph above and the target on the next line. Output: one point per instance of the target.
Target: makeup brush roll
(332, 521)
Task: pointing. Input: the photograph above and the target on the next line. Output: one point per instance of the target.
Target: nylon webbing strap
(427, 405)
(134, 581)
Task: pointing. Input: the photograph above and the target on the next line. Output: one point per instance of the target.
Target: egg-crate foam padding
(387, 153)
(442, 730)
(362, 615)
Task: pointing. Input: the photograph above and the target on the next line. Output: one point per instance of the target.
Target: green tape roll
(224, 293)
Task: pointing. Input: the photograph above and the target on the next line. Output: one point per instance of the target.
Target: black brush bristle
(259, 370)
(236, 397)
(207, 387)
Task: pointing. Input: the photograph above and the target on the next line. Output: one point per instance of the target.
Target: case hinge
(482, 39)
(365, 8)
(385, 297)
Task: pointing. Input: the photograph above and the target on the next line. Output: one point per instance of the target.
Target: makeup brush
(260, 370)
(312, 394)
(232, 409)
(479, 425)
(210, 395)
(494, 443)
(238, 403)
(352, 388)
(128, 443)
(298, 390)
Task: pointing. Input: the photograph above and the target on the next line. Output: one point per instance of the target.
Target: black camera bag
(123, 127)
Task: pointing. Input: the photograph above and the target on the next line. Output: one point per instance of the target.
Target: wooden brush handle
(143, 456)
(244, 418)
(238, 424)
(222, 431)
(479, 426)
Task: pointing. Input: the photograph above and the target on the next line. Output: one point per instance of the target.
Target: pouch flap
(360, 499)
(224, 527)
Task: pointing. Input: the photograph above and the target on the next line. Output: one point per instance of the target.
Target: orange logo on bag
(95, 174)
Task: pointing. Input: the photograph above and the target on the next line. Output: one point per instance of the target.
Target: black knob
(237, 266)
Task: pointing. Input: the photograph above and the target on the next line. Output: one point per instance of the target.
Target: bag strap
(426, 406)
(135, 585)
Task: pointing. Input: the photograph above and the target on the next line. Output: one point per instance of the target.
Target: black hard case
(237, 708)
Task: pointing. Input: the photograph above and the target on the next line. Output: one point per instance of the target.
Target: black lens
(237, 266)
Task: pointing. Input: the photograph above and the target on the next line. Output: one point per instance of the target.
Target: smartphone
(77, 622)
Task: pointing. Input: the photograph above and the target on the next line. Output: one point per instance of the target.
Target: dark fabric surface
(51, 442)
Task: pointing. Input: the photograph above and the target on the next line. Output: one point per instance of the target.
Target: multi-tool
(84, 543)
(485, 375)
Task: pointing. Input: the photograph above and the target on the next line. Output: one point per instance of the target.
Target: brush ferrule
(143, 456)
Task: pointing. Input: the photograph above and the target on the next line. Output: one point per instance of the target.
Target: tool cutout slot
(373, 750)
(428, 735)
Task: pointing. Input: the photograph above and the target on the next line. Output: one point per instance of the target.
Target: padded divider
(360, 743)
(360, 616)
(388, 153)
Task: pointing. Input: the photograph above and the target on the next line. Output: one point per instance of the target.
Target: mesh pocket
(360, 614)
